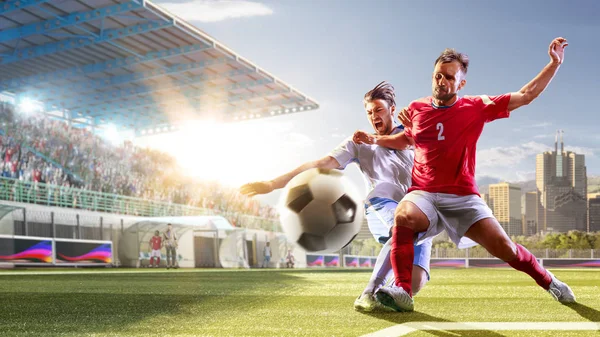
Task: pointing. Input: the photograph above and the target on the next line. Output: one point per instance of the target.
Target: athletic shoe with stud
(368, 303)
(561, 291)
(396, 298)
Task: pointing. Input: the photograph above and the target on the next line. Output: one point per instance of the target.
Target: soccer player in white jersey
(388, 172)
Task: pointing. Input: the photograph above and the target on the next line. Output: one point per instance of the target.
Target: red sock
(528, 264)
(158, 261)
(402, 255)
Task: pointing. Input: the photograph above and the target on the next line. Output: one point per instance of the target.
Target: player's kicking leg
(491, 236)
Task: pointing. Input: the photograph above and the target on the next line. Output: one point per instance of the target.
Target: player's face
(380, 115)
(447, 80)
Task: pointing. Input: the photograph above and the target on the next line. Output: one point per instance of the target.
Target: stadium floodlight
(27, 105)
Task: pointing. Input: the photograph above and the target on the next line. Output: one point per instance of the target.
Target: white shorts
(450, 212)
(155, 253)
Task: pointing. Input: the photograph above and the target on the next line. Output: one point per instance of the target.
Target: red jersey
(156, 242)
(446, 141)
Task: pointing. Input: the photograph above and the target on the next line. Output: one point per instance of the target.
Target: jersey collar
(443, 106)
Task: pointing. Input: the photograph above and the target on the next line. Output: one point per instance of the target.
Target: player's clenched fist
(403, 117)
(361, 137)
(556, 50)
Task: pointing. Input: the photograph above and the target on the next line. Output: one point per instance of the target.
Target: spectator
(266, 255)
(171, 245)
(155, 246)
(289, 259)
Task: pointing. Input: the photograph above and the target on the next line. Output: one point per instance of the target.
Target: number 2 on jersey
(440, 127)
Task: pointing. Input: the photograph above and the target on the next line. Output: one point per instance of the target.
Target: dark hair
(169, 224)
(384, 91)
(450, 55)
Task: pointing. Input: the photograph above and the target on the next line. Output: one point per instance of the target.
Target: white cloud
(543, 136)
(212, 11)
(541, 125)
(587, 151)
(525, 175)
(508, 157)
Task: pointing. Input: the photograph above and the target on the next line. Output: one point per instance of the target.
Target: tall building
(594, 212)
(505, 202)
(561, 181)
(529, 202)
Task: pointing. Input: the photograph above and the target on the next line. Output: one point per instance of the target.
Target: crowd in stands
(40, 149)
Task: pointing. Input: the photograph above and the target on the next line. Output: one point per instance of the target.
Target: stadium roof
(132, 64)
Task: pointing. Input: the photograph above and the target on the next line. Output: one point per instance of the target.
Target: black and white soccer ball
(321, 210)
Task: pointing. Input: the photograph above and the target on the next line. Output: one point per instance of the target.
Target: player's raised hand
(404, 117)
(361, 137)
(556, 50)
(259, 187)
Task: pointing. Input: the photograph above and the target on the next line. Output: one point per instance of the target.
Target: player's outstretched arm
(398, 141)
(264, 187)
(533, 89)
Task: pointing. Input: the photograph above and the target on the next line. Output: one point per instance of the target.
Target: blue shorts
(380, 218)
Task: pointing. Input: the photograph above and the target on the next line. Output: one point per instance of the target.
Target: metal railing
(480, 253)
(75, 198)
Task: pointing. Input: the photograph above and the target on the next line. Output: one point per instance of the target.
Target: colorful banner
(18, 250)
(315, 260)
(571, 263)
(447, 263)
(74, 252)
(332, 261)
(365, 262)
(351, 261)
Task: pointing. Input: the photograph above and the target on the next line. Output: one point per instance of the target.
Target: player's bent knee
(407, 215)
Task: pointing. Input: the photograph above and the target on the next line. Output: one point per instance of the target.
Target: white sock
(382, 270)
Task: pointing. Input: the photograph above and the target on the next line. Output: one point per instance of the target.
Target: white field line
(406, 328)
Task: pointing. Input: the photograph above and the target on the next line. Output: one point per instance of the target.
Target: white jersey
(387, 172)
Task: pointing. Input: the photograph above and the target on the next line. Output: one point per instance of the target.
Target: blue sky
(335, 51)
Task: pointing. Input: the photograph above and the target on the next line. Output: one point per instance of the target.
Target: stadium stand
(89, 65)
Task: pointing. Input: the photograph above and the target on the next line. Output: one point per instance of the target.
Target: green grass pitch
(274, 302)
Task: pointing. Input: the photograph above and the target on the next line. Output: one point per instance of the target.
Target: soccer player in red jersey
(444, 130)
(155, 245)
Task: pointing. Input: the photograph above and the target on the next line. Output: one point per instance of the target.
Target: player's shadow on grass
(586, 312)
(415, 316)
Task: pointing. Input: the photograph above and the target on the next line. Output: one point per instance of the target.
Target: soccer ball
(321, 210)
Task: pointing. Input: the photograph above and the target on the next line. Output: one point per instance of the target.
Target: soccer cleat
(561, 291)
(395, 298)
(368, 303)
